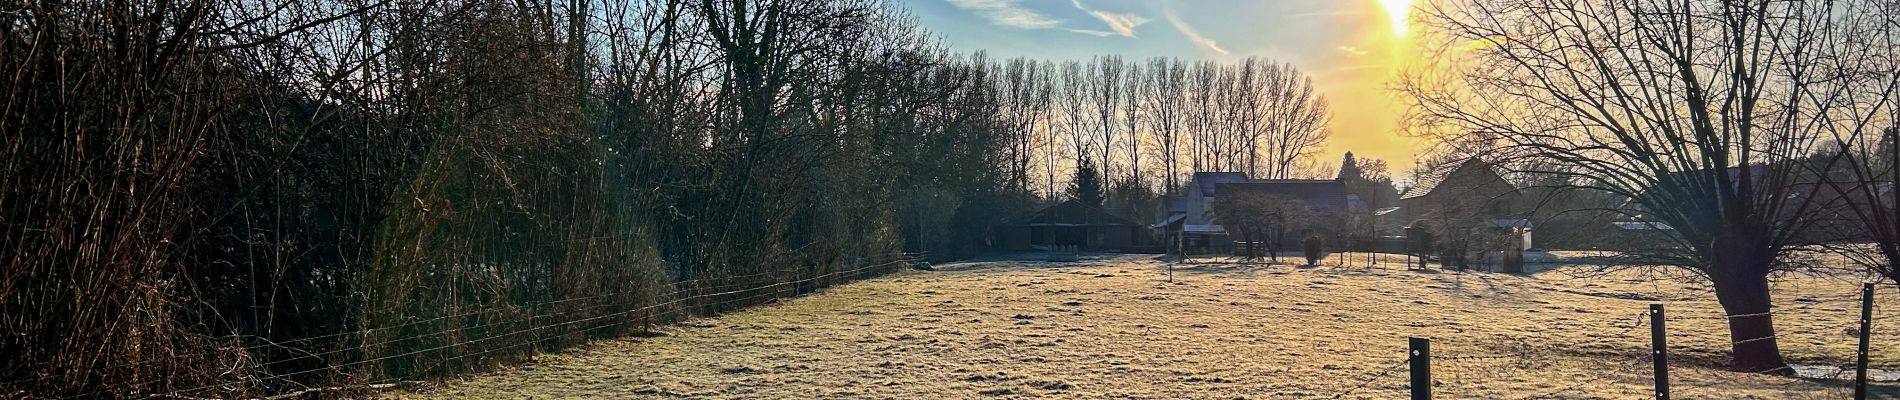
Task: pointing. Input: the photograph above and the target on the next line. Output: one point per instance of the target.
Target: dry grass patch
(1114, 328)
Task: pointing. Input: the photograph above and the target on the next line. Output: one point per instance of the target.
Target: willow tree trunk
(1739, 273)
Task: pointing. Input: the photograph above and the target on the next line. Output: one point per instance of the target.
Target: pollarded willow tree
(1694, 111)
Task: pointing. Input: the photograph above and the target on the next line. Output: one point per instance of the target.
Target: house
(1323, 195)
(1466, 209)
(1472, 189)
(1185, 217)
(1170, 213)
(1472, 195)
(1201, 193)
(1070, 223)
(1326, 201)
(1189, 219)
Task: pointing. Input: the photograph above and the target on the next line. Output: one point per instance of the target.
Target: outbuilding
(1070, 223)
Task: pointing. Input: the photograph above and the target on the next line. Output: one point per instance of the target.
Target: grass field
(1114, 327)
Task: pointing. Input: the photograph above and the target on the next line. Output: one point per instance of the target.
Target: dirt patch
(1031, 329)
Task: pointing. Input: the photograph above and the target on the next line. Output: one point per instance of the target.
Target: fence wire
(1375, 377)
(587, 324)
(1456, 366)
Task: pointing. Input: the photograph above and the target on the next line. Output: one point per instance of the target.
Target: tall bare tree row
(1256, 116)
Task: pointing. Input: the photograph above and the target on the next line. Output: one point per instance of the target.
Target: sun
(1397, 12)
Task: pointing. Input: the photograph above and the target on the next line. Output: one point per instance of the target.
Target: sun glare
(1397, 12)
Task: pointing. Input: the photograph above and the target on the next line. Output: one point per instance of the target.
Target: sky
(1352, 49)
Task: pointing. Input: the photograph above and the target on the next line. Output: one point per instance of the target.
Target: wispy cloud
(1122, 23)
(1007, 13)
(1193, 35)
(1092, 32)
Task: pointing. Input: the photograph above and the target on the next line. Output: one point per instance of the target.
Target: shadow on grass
(1228, 266)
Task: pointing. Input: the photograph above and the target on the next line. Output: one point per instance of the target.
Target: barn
(1070, 223)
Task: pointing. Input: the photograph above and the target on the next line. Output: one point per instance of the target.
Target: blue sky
(1350, 47)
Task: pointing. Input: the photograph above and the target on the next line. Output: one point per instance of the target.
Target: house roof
(1209, 180)
(1507, 223)
(1072, 213)
(1172, 218)
(1327, 194)
(1430, 182)
(1643, 226)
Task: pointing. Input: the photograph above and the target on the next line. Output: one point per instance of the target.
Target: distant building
(1070, 223)
(1185, 217)
(1323, 195)
(1202, 191)
(1471, 189)
(1472, 194)
(1189, 218)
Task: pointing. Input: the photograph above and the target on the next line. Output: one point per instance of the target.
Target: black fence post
(1659, 348)
(1866, 324)
(1421, 368)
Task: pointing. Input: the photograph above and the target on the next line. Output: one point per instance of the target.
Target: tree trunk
(1741, 286)
(1273, 246)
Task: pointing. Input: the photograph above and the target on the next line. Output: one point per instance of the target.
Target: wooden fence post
(1421, 367)
(1866, 324)
(1659, 350)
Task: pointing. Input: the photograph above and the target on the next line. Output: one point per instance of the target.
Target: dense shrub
(1315, 248)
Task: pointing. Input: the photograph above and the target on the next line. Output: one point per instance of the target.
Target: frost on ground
(1115, 328)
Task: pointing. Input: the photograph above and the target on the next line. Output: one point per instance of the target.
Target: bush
(1315, 247)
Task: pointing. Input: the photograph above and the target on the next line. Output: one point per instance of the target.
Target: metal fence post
(1659, 350)
(1866, 324)
(1421, 367)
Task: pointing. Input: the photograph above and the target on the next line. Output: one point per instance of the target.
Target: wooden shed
(1070, 223)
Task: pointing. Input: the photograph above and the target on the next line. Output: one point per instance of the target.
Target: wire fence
(1842, 375)
(1448, 371)
(520, 333)
(263, 343)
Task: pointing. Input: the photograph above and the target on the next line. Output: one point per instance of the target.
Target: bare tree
(1694, 111)
(1073, 97)
(1203, 92)
(1052, 101)
(1263, 217)
(1026, 103)
(1132, 115)
(1297, 119)
(1860, 216)
(1165, 97)
(1104, 97)
(1243, 114)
